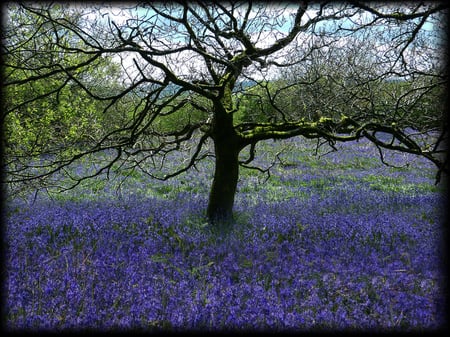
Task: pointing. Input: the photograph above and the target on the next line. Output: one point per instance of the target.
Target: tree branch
(401, 16)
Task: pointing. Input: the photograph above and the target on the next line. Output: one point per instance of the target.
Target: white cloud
(266, 25)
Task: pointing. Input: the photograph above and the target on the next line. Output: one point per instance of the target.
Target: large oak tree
(136, 82)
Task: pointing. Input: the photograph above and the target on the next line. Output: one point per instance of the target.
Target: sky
(268, 36)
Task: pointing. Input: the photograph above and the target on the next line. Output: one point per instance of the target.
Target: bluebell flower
(328, 250)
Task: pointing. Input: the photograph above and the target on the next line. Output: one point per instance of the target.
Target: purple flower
(312, 249)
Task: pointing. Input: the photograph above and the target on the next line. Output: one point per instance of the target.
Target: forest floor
(333, 242)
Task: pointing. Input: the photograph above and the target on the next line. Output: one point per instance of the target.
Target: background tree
(179, 75)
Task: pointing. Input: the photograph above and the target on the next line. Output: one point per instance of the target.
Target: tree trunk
(223, 190)
(226, 148)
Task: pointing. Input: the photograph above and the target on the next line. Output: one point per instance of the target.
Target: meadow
(336, 242)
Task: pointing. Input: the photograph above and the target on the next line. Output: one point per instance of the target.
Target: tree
(185, 72)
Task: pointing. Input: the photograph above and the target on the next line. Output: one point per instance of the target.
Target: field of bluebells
(337, 242)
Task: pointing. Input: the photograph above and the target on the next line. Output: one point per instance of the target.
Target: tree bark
(227, 145)
(223, 189)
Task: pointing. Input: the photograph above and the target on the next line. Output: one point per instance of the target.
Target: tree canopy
(137, 82)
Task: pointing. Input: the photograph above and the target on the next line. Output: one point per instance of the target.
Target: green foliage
(47, 111)
(398, 185)
(36, 127)
(254, 105)
(65, 108)
(171, 120)
(416, 103)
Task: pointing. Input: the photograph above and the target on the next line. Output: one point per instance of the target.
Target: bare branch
(145, 84)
